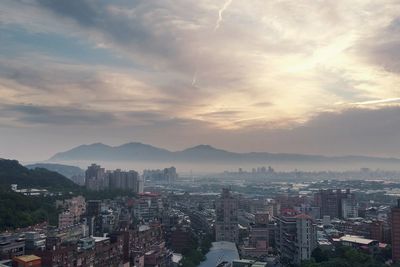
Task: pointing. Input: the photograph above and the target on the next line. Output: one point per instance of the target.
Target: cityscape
(161, 218)
(199, 133)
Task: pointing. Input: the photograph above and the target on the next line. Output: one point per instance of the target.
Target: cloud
(349, 132)
(56, 115)
(275, 66)
(382, 48)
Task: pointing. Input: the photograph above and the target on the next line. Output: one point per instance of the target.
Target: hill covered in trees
(18, 210)
(11, 172)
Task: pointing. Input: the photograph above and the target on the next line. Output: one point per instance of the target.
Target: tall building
(258, 237)
(349, 207)
(226, 223)
(95, 178)
(395, 221)
(129, 180)
(98, 179)
(336, 203)
(295, 237)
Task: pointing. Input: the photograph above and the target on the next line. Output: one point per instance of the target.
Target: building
(66, 219)
(98, 178)
(76, 205)
(93, 218)
(34, 241)
(395, 221)
(11, 246)
(27, 261)
(73, 208)
(226, 223)
(129, 180)
(349, 207)
(333, 202)
(295, 237)
(144, 246)
(148, 207)
(248, 263)
(258, 237)
(95, 178)
(93, 208)
(358, 242)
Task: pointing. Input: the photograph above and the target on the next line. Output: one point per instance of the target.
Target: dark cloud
(30, 114)
(383, 48)
(135, 34)
(353, 131)
(50, 77)
(85, 12)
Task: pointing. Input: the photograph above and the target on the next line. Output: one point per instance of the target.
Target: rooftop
(28, 258)
(356, 239)
(143, 228)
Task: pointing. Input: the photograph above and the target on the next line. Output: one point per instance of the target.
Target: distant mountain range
(200, 154)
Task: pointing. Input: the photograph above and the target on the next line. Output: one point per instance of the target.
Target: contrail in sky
(378, 101)
(221, 13)
(217, 25)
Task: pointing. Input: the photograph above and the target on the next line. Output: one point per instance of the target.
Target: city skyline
(276, 76)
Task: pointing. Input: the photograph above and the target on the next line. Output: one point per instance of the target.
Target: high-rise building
(332, 202)
(349, 207)
(95, 178)
(395, 221)
(129, 180)
(226, 223)
(295, 237)
(98, 179)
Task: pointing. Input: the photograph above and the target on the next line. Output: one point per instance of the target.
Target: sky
(312, 77)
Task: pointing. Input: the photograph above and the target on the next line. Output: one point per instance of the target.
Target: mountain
(201, 154)
(66, 170)
(94, 151)
(98, 151)
(11, 172)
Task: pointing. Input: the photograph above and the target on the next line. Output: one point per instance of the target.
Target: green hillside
(11, 172)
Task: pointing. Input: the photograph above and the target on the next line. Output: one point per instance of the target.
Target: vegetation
(196, 252)
(11, 172)
(347, 257)
(18, 211)
(104, 194)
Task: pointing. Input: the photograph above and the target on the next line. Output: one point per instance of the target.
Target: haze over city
(271, 76)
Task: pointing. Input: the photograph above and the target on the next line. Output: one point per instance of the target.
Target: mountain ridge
(201, 153)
